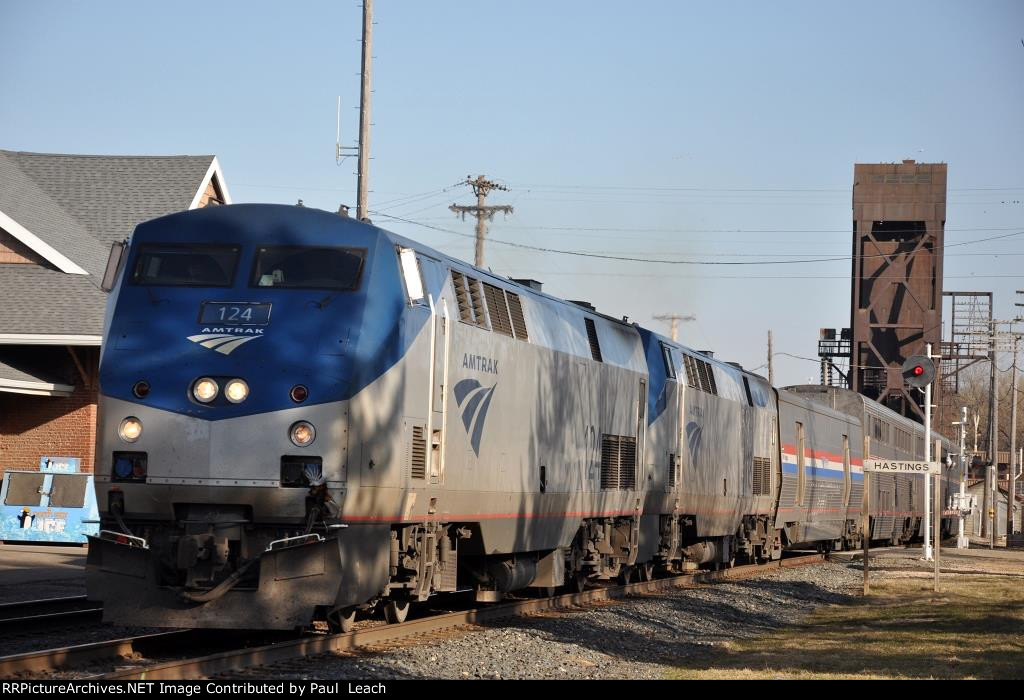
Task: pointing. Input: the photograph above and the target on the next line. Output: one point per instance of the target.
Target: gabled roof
(68, 209)
(59, 197)
(31, 215)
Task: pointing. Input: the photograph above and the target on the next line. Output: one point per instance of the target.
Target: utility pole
(1012, 476)
(999, 343)
(977, 421)
(483, 213)
(993, 437)
(961, 538)
(673, 321)
(771, 360)
(364, 112)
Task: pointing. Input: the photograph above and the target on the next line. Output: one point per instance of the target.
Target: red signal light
(918, 370)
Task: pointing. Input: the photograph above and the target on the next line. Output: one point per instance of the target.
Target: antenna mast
(339, 150)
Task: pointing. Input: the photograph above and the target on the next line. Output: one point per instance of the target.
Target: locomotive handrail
(294, 541)
(121, 538)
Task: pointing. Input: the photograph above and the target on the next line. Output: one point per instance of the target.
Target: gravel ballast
(635, 638)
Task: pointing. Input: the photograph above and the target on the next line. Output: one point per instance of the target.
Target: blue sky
(716, 131)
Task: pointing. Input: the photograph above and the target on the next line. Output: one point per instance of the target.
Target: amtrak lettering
(480, 363)
(233, 330)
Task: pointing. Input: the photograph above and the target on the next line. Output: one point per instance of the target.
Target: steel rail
(84, 654)
(25, 608)
(48, 613)
(286, 651)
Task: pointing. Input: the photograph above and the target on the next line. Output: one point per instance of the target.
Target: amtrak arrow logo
(694, 433)
(224, 343)
(474, 398)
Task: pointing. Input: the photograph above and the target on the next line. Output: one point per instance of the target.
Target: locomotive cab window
(666, 354)
(412, 275)
(185, 266)
(295, 267)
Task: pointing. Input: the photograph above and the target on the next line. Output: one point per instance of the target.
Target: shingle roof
(22, 199)
(79, 205)
(110, 195)
(38, 300)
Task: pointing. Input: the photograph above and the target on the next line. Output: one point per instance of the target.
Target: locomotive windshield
(186, 266)
(308, 268)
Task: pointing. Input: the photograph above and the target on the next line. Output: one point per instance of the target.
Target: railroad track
(48, 613)
(233, 659)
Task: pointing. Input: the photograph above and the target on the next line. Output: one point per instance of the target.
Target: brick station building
(59, 215)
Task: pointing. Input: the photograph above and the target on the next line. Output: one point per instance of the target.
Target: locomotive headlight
(130, 429)
(205, 390)
(302, 433)
(236, 390)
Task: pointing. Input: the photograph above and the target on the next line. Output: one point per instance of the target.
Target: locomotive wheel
(646, 571)
(395, 611)
(576, 583)
(625, 575)
(341, 620)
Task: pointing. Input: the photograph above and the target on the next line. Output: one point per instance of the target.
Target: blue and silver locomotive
(303, 415)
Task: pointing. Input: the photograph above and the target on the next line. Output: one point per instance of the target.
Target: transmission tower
(482, 211)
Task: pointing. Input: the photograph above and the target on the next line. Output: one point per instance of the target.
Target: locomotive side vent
(462, 297)
(498, 310)
(627, 462)
(671, 470)
(700, 374)
(609, 461)
(712, 386)
(515, 307)
(477, 297)
(418, 453)
(618, 462)
(595, 346)
(762, 476)
(691, 372)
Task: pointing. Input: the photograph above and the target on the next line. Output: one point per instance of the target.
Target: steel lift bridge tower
(899, 217)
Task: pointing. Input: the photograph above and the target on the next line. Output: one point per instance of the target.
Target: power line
(614, 229)
(784, 255)
(738, 189)
(623, 258)
(558, 273)
(409, 199)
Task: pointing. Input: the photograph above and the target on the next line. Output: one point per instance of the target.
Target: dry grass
(972, 629)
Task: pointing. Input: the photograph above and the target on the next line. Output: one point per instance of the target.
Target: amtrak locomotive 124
(304, 416)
